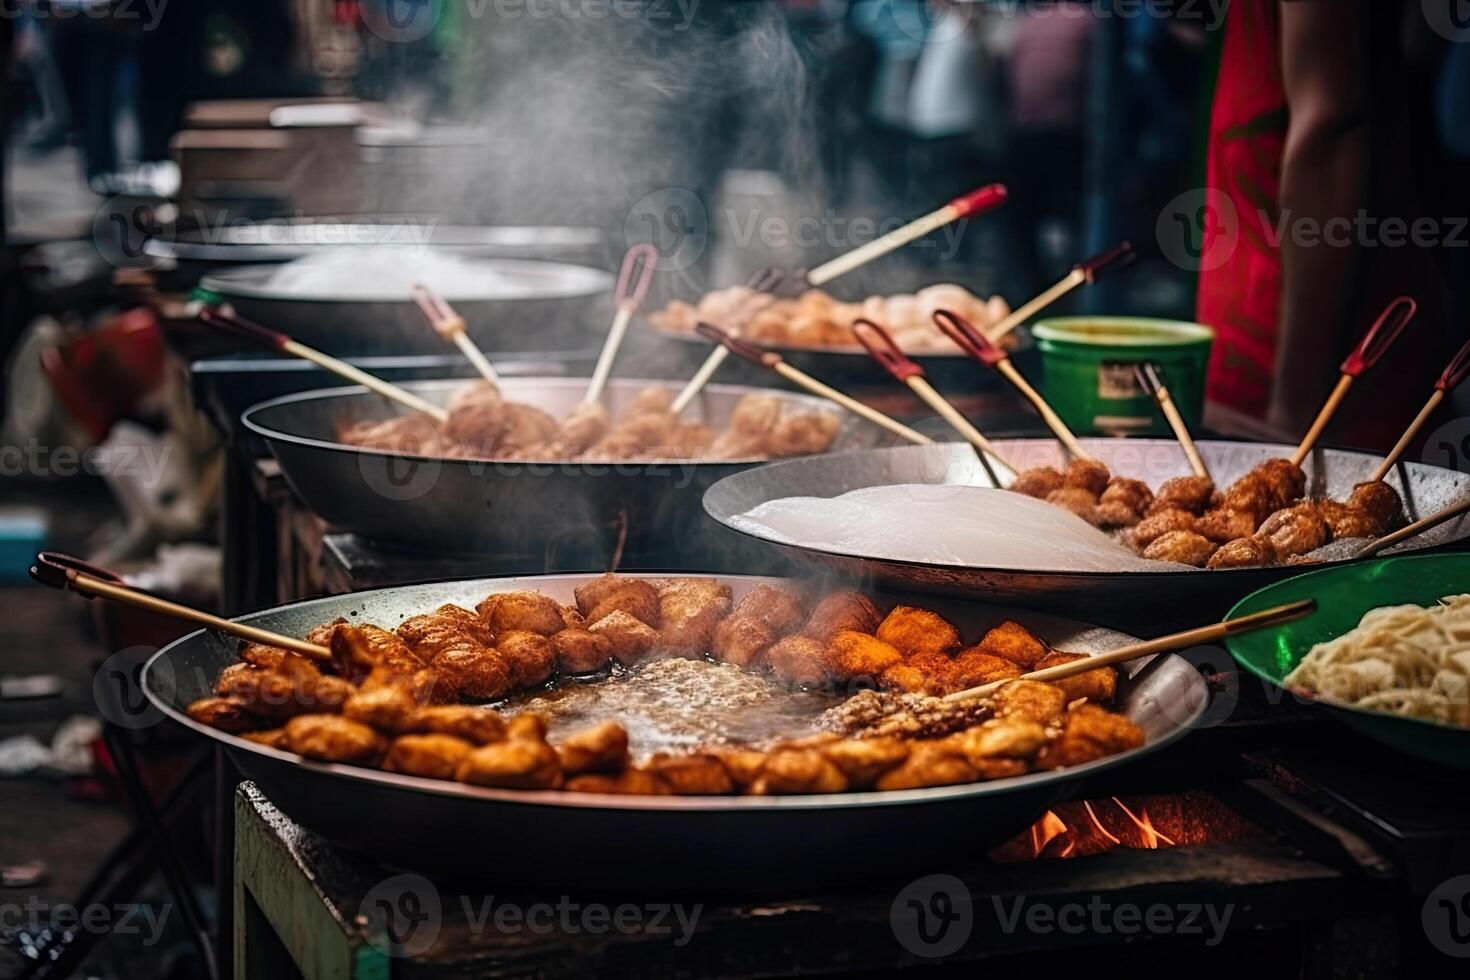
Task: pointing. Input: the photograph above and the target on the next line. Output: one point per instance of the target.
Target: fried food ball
(911, 630)
(1160, 523)
(1005, 738)
(1099, 686)
(478, 726)
(798, 770)
(913, 679)
(1037, 482)
(863, 760)
(933, 763)
(1089, 733)
(226, 714)
(1087, 474)
(530, 657)
(272, 738)
(476, 674)
(630, 639)
(1013, 642)
(852, 655)
(1185, 547)
(530, 612)
(431, 756)
(1253, 495)
(1287, 480)
(613, 593)
(1221, 524)
(689, 610)
(1023, 700)
(978, 666)
(1133, 494)
(743, 765)
(527, 726)
(390, 709)
(1252, 552)
(1192, 494)
(359, 650)
(332, 738)
(741, 641)
(602, 748)
(581, 651)
(525, 426)
(802, 434)
(1380, 502)
(515, 764)
(1296, 530)
(798, 660)
(629, 782)
(700, 774)
(1079, 501)
(448, 618)
(1347, 522)
(780, 609)
(586, 424)
(845, 610)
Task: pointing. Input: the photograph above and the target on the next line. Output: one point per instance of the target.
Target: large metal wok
(1172, 596)
(710, 844)
(547, 516)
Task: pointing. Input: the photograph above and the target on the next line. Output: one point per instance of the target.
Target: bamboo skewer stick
(1410, 530)
(451, 326)
(775, 362)
(633, 283)
(1084, 273)
(978, 346)
(1175, 641)
(1149, 379)
(883, 350)
(1375, 343)
(65, 572)
(1449, 379)
(286, 345)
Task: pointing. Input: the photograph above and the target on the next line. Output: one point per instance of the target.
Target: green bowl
(1344, 595)
(1087, 366)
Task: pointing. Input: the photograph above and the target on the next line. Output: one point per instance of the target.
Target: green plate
(1344, 595)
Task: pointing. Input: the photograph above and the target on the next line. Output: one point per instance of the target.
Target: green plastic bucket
(1087, 371)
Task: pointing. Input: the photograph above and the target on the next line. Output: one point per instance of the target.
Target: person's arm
(1324, 175)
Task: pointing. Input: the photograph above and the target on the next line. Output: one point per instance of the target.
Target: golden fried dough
(1159, 523)
(518, 764)
(910, 678)
(795, 770)
(389, 709)
(433, 756)
(700, 774)
(1223, 524)
(478, 726)
(1079, 501)
(602, 748)
(863, 760)
(1135, 495)
(1087, 474)
(226, 714)
(531, 612)
(851, 655)
(358, 650)
(798, 660)
(332, 738)
(1098, 685)
(1251, 552)
(283, 661)
(1089, 733)
(428, 629)
(839, 611)
(910, 630)
(1037, 482)
(929, 764)
(978, 666)
(740, 640)
(780, 609)
(689, 611)
(273, 738)
(613, 593)
(1014, 642)
(1007, 738)
(530, 657)
(580, 651)
(528, 726)
(477, 674)
(631, 639)
(1185, 547)
(1380, 502)
(1023, 700)
(629, 782)
(320, 635)
(1187, 493)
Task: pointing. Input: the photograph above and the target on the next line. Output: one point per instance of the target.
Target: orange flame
(1043, 831)
(1151, 836)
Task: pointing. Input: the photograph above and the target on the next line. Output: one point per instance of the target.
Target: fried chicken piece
(477, 674)
(1222, 524)
(332, 738)
(933, 763)
(273, 738)
(1286, 480)
(1347, 522)
(656, 400)
(276, 696)
(1296, 530)
(613, 593)
(851, 656)
(631, 640)
(1024, 700)
(797, 770)
(409, 435)
(581, 651)
(1252, 552)
(530, 657)
(427, 631)
(283, 661)
(602, 748)
(914, 679)
(516, 764)
(1380, 502)
(1037, 482)
(1134, 494)
(1004, 738)
(389, 709)
(689, 611)
(320, 635)
(741, 641)
(700, 774)
(476, 415)
(1192, 494)
(629, 782)
(743, 765)
(1160, 523)
(478, 726)
(1013, 642)
(524, 426)
(431, 756)
(438, 638)
(863, 760)
(911, 630)
(531, 612)
(527, 726)
(1253, 495)
(977, 666)
(1184, 547)
(798, 660)
(1100, 685)
(802, 434)
(226, 714)
(359, 650)
(845, 610)
(1113, 514)
(1087, 474)
(586, 424)
(1079, 501)
(1090, 733)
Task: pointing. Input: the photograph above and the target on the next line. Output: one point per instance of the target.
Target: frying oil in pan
(676, 705)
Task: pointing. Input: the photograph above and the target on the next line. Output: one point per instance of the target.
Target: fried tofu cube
(911, 630)
(741, 641)
(845, 610)
(1090, 733)
(743, 765)
(1014, 642)
(798, 660)
(907, 677)
(631, 639)
(629, 782)
(1036, 701)
(976, 666)
(851, 655)
(429, 628)
(431, 756)
(478, 726)
(1002, 738)
(863, 760)
(475, 674)
(1098, 686)
(332, 738)
(530, 657)
(797, 770)
(782, 610)
(689, 611)
(530, 612)
(929, 764)
(604, 596)
(580, 651)
(602, 748)
(514, 764)
(700, 774)
(389, 709)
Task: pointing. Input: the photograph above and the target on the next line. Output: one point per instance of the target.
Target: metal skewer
(978, 346)
(1410, 530)
(1151, 382)
(1084, 273)
(775, 362)
(633, 283)
(883, 350)
(451, 326)
(1175, 641)
(279, 341)
(1453, 374)
(1375, 343)
(66, 572)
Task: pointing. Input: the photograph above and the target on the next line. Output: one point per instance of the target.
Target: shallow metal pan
(1172, 597)
(707, 844)
(548, 516)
